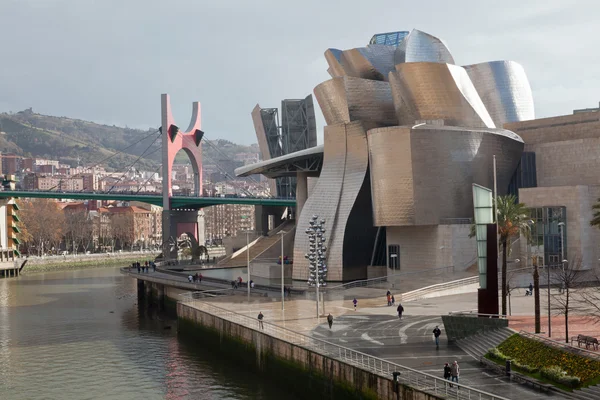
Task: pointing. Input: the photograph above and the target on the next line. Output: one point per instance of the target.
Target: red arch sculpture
(173, 140)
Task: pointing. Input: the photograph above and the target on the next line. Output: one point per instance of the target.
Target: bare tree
(44, 221)
(79, 229)
(565, 301)
(589, 296)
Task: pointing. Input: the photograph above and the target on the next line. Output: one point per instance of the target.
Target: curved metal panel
(504, 89)
(324, 198)
(346, 99)
(432, 91)
(372, 62)
(341, 192)
(444, 163)
(333, 59)
(419, 46)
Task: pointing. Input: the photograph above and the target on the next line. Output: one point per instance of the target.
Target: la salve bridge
(177, 202)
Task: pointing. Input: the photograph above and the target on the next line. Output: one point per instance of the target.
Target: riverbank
(64, 263)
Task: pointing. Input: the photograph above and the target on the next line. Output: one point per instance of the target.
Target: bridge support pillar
(301, 192)
(160, 295)
(177, 222)
(261, 218)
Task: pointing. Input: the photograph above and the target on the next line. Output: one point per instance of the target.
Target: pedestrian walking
(436, 334)
(138, 267)
(455, 371)
(200, 278)
(355, 302)
(400, 310)
(330, 320)
(393, 300)
(153, 267)
(531, 288)
(388, 295)
(190, 278)
(447, 372)
(260, 320)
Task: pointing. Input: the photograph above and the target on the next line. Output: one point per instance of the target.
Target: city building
(33, 181)
(408, 134)
(128, 226)
(561, 185)
(225, 220)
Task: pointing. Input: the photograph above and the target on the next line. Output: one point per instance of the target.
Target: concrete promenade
(375, 329)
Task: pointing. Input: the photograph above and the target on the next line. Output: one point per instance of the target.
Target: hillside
(74, 142)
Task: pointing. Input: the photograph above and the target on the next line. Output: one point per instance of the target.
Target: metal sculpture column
(317, 269)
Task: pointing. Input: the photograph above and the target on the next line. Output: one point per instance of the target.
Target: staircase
(260, 246)
(478, 345)
(588, 393)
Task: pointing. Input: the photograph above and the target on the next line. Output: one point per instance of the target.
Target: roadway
(184, 202)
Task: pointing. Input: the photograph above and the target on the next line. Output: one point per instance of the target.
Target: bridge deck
(156, 199)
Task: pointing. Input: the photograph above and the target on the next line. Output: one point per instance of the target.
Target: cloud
(110, 60)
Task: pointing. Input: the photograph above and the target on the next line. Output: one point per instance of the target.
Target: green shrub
(496, 354)
(524, 367)
(538, 355)
(556, 374)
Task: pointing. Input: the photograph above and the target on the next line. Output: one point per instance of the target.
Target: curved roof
(308, 160)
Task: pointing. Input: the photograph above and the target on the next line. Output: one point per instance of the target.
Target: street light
(528, 242)
(282, 233)
(248, 262)
(562, 244)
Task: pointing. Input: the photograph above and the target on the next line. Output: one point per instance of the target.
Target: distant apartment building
(227, 220)
(129, 226)
(11, 163)
(61, 183)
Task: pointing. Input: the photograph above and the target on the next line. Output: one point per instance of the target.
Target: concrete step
(592, 392)
(581, 395)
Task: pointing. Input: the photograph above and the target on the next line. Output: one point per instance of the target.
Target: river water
(82, 335)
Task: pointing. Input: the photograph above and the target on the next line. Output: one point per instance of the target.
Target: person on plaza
(531, 288)
(138, 267)
(252, 284)
(393, 300)
(389, 299)
(153, 266)
(330, 320)
(400, 310)
(455, 371)
(355, 302)
(447, 372)
(199, 278)
(190, 278)
(260, 320)
(436, 333)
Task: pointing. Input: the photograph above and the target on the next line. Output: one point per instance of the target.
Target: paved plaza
(376, 330)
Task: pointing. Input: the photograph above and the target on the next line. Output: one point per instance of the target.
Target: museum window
(394, 256)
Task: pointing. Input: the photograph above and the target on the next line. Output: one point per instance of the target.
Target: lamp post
(562, 243)
(317, 269)
(282, 233)
(248, 262)
(549, 310)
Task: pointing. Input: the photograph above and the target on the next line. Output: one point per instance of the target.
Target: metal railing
(562, 345)
(384, 279)
(420, 380)
(421, 293)
(474, 313)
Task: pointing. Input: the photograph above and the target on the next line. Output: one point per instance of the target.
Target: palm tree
(596, 220)
(512, 219)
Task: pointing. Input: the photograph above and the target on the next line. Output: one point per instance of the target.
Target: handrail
(421, 380)
(419, 293)
(561, 345)
(382, 279)
(474, 313)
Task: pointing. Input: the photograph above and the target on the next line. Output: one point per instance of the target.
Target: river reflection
(82, 335)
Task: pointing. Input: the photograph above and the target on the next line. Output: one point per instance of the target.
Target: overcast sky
(108, 61)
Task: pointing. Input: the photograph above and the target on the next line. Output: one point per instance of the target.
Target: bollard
(396, 375)
(508, 367)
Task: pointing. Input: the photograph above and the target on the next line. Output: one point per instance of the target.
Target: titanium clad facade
(419, 46)
(333, 56)
(298, 126)
(444, 163)
(504, 89)
(341, 197)
(431, 91)
(346, 99)
(371, 62)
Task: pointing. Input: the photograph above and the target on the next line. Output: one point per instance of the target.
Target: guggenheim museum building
(409, 131)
